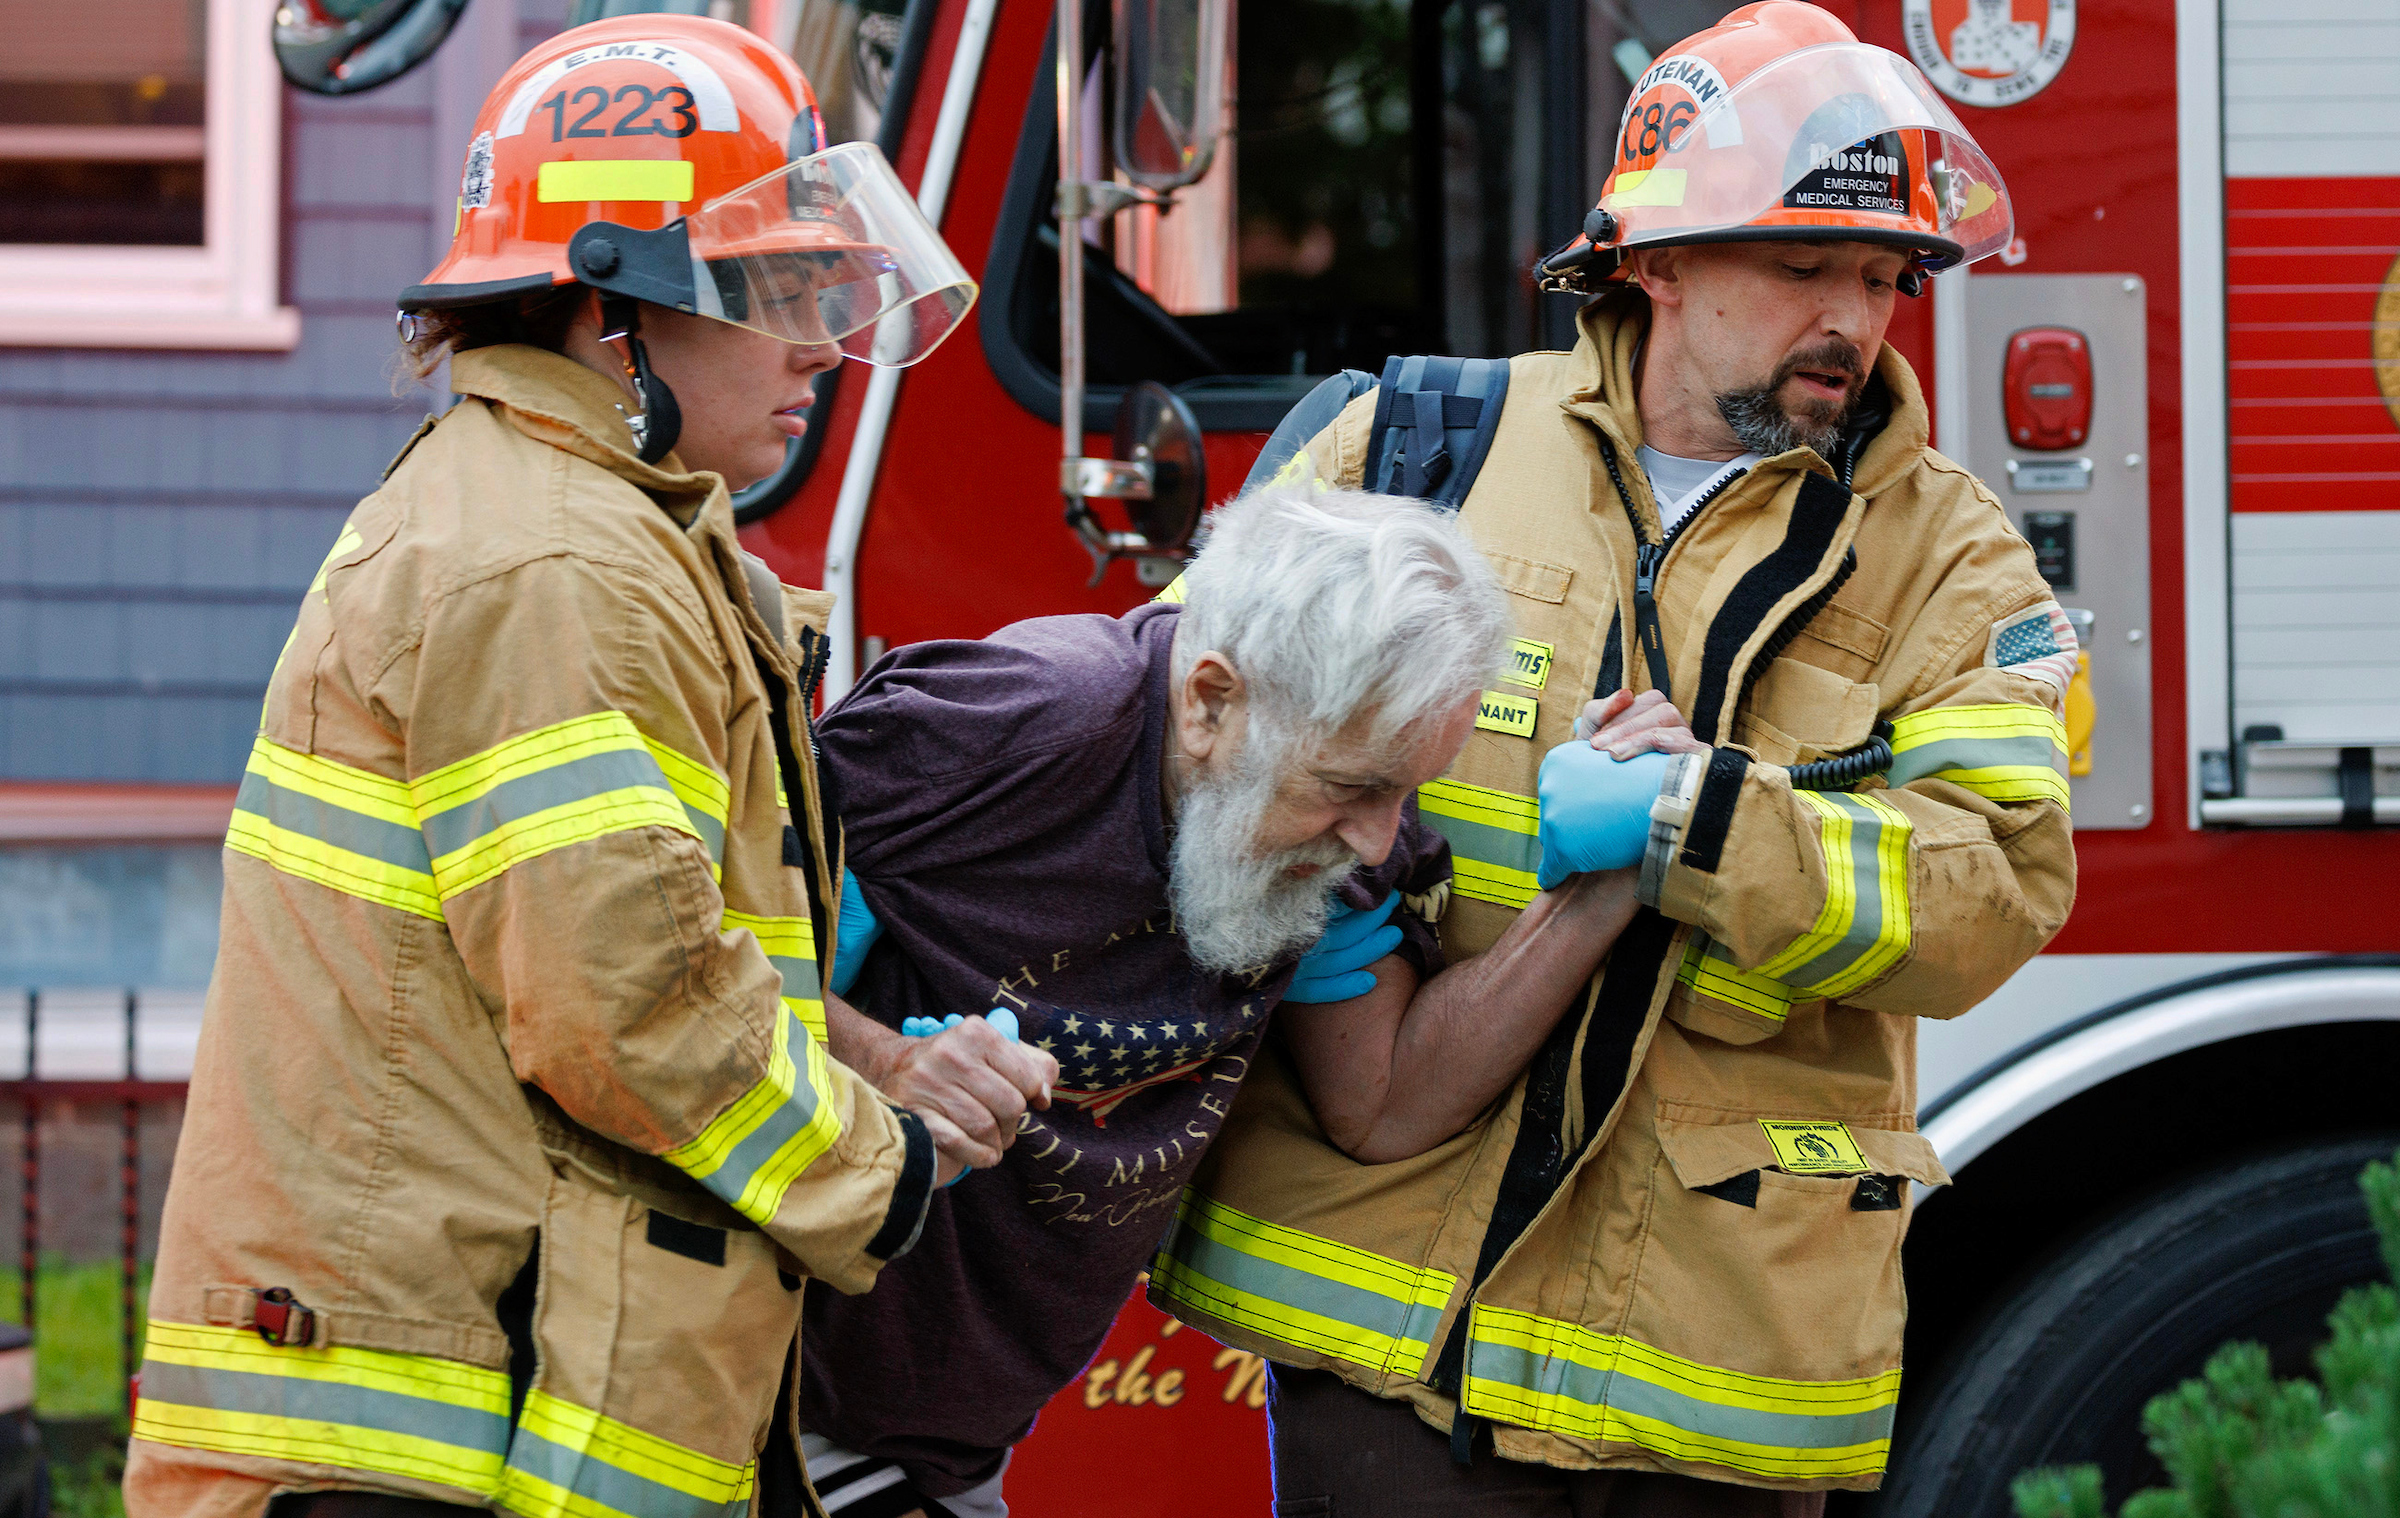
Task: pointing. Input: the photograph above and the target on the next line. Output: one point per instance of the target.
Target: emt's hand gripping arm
(629, 996)
(1407, 1065)
(968, 1077)
(1598, 789)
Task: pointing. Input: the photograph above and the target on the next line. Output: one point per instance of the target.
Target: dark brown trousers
(1343, 1453)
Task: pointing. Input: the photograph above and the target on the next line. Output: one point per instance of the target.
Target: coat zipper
(1649, 558)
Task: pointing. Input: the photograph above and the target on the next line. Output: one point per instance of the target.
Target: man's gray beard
(1238, 910)
(1761, 425)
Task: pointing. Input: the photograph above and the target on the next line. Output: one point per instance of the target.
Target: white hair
(1336, 603)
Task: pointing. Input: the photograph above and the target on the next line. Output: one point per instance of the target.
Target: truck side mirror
(1156, 427)
(1170, 101)
(340, 47)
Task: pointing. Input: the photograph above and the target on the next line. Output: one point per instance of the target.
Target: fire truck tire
(2059, 1370)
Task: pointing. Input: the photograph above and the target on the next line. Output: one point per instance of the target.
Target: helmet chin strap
(660, 420)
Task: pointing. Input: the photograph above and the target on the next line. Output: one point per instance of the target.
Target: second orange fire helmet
(1778, 123)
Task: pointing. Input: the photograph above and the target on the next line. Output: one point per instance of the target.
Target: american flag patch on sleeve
(2037, 643)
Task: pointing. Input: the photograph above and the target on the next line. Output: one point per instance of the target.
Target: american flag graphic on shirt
(1104, 1061)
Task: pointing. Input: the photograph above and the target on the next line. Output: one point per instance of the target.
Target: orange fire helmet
(1778, 123)
(682, 161)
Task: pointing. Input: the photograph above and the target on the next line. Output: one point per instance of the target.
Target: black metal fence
(63, 1054)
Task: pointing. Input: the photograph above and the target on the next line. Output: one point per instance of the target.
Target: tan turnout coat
(1675, 1244)
(518, 949)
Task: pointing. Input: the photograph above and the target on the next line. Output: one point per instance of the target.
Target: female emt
(512, 1131)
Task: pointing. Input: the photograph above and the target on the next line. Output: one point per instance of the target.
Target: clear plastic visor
(830, 249)
(1695, 157)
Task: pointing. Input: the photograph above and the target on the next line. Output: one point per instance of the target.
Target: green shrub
(2236, 1443)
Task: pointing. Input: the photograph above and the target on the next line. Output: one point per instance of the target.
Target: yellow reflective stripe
(2005, 719)
(614, 179)
(2010, 783)
(1841, 889)
(1894, 932)
(791, 948)
(752, 1151)
(1173, 593)
(1298, 1288)
(353, 790)
(1494, 883)
(342, 828)
(2006, 752)
(1564, 1378)
(571, 1462)
(564, 784)
(1863, 927)
(696, 785)
(1707, 971)
(1299, 469)
(343, 542)
(477, 775)
(1478, 803)
(221, 1388)
(1495, 844)
(555, 828)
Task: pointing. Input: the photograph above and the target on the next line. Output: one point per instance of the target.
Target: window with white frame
(140, 165)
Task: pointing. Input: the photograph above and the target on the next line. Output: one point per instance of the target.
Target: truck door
(2312, 413)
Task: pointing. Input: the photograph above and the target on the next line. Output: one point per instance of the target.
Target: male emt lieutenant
(1662, 1276)
(512, 1131)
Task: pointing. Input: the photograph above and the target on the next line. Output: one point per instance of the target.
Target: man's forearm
(1406, 1066)
(860, 1042)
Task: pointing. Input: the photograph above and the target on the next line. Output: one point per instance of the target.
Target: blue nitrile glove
(1336, 968)
(1595, 809)
(925, 1027)
(1000, 1018)
(853, 935)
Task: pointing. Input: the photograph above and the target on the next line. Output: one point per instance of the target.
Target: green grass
(78, 1361)
(91, 1487)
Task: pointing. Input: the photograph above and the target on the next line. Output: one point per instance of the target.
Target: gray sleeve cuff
(1668, 814)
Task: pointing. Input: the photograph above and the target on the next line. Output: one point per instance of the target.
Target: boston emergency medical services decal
(1990, 52)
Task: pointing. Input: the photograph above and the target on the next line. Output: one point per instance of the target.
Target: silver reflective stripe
(613, 1487)
(1622, 1389)
(1477, 840)
(1950, 754)
(1269, 1281)
(353, 832)
(524, 796)
(799, 977)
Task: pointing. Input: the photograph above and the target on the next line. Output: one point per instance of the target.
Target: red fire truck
(2182, 379)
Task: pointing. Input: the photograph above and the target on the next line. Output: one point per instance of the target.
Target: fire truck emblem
(1990, 52)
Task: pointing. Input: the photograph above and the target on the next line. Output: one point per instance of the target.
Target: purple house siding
(162, 512)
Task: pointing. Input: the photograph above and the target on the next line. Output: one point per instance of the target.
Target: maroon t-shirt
(1002, 807)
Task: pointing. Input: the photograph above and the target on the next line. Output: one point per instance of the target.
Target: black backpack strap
(1434, 423)
(1312, 415)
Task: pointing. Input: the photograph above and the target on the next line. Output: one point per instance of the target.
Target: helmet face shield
(829, 249)
(1840, 141)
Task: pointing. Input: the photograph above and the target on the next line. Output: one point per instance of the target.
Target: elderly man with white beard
(1127, 832)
